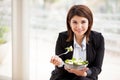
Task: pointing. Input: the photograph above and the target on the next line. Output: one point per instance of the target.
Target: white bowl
(73, 66)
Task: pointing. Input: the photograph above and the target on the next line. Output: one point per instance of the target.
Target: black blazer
(94, 52)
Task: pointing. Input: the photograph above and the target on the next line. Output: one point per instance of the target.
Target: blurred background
(46, 19)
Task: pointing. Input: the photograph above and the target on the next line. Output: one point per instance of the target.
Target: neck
(79, 39)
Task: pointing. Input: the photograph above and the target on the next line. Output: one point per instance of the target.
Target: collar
(83, 44)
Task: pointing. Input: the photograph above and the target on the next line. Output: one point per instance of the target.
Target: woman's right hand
(56, 60)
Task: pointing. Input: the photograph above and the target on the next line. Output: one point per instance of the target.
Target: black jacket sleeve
(98, 42)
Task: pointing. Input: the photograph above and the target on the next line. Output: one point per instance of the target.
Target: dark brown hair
(83, 11)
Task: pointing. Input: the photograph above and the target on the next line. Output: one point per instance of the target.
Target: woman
(88, 45)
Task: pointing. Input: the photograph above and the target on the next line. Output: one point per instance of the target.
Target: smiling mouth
(79, 31)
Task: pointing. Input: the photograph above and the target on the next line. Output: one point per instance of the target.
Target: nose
(79, 25)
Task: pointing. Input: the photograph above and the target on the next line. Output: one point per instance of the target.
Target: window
(48, 19)
(33, 30)
(5, 40)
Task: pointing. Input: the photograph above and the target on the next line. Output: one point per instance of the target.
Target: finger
(52, 59)
(85, 69)
(66, 68)
(56, 61)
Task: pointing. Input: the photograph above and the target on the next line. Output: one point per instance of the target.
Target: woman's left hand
(81, 72)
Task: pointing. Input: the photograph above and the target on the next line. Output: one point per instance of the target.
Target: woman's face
(79, 25)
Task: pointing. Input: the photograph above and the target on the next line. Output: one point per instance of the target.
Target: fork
(63, 53)
(69, 49)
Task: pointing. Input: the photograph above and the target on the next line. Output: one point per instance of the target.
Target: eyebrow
(80, 20)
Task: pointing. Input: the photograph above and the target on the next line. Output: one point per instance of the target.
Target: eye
(83, 22)
(75, 22)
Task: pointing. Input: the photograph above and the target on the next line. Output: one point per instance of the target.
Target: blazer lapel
(87, 52)
(90, 52)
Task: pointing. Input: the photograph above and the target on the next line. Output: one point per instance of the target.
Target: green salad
(76, 61)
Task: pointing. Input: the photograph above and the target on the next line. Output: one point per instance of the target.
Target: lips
(78, 30)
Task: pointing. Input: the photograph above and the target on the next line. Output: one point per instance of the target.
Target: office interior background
(29, 29)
